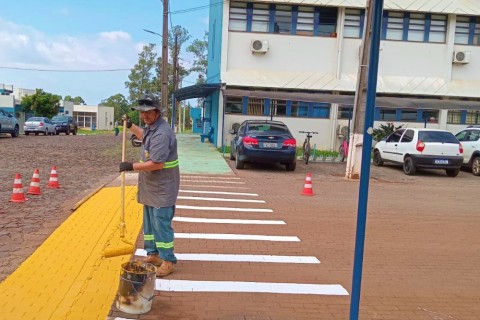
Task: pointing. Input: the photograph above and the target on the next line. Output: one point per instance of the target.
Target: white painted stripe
(34, 184)
(223, 187)
(220, 199)
(231, 236)
(208, 177)
(254, 287)
(53, 179)
(238, 257)
(221, 192)
(17, 181)
(17, 190)
(231, 221)
(204, 181)
(222, 209)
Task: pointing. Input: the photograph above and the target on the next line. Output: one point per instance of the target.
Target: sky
(73, 36)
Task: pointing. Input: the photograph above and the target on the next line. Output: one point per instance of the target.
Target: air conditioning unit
(461, 56)
(259, 46)
(343, 131)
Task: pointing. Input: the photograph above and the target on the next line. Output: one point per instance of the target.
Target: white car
(39, 125)
(8, 123)
(470, 139)
(421, 148)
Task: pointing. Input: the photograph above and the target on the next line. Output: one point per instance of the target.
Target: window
(395, 136)
(408, 136)
(394, 25)
(454, 117)
(388, 114)
(299, 109)
(438, 28)
(305, 21)
(409, 115)
(256, 107)
(430, 116)
(321, 110)
(283, 19)
(327, 22)
(353, 23)
(345, 112)
(416, 27)
(472, 117)
(260, 18)
(238, 16)
(234, 105)
(467, 30)
(278, 107)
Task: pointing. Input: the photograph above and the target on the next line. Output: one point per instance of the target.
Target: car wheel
(476, 166)
(75, 131)
(57, 132)
(68, 132)
(27, 133)
(46, 133)
(231, 154)
(36, 133)
(452, 172)
(15, 132)
(291, 166)
(409, 167)
(239, 164)
(377, 159)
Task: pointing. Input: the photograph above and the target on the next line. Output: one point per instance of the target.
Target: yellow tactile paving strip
(67, 277)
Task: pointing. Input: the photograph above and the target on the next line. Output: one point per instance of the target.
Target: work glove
(129, 122)
(126, 166)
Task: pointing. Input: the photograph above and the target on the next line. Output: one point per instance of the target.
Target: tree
(199, 49)
(384, 131)
(76, 100)
(143, 78)
(120, 106)
(42, 103)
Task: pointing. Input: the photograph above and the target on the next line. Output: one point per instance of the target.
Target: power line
(199, 8)
(63, 70)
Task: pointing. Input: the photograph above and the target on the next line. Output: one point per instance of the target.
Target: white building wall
(104, 116)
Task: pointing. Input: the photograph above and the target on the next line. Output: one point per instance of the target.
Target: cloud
(65, 11)
(26, 47)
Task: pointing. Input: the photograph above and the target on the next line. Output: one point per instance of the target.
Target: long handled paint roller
(120, 251)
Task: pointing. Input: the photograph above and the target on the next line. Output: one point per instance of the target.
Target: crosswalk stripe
(229, 221)
(221, 192)
(254, 287)
(222, 209)
(209, 177)
(205, 181)
(210, 186)
(220, 199)
(238, 257)
(231, 236)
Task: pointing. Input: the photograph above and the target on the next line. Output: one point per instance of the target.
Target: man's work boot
(153, 259)
(165, 269)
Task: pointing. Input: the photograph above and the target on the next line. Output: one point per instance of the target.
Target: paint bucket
(136, 288)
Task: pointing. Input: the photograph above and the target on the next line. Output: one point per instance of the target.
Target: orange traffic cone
(18, 195)
(53, 181)
(35, 184)
(307, 189)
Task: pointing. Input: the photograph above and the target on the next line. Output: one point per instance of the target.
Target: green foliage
(120, 106)
(42, 103)
(76, 100)
(199, 49)
(319, 153)
(383, 131)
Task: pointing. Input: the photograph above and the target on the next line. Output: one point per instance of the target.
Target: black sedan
(263, 141)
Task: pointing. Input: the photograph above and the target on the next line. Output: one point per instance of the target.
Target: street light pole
(164, 89)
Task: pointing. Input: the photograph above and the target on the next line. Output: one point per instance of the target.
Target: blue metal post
(366, 153)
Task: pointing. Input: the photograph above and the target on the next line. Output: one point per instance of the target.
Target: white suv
(470, 139)
(8, 123)
(421, 148)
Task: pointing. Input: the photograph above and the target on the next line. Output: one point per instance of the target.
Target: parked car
(263, 141)
(65, 124)
(470, 140)
(420, 148)
(8, 123)
(39, 125)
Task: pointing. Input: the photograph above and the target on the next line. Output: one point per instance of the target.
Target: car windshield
(437, 136)
(35, 119)
(267, 128)
(59, 119)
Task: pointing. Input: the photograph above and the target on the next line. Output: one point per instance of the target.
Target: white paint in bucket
(136, 288)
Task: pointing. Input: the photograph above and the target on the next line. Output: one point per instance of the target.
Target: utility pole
(164, 89)
(175, 75)
(355, 147)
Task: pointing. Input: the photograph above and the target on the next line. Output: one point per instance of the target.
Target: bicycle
(307, 148)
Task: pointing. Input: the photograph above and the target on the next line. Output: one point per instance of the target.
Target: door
(470, 142)
(390, 151)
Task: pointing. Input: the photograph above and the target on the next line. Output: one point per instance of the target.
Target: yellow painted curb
(67, 277)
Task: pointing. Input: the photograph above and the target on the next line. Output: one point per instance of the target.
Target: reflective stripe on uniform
(164, 245)
(148, 237)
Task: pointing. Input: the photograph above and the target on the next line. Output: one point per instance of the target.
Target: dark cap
(146, 103)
